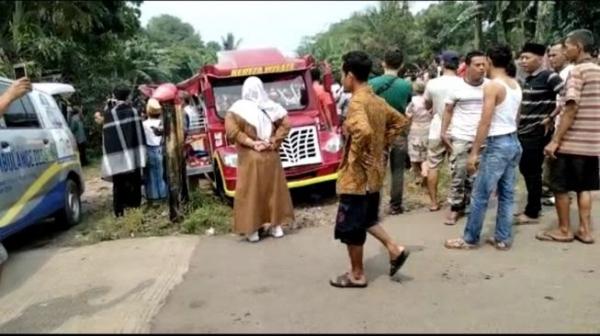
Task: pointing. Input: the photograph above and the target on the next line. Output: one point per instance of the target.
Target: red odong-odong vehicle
(312, 151)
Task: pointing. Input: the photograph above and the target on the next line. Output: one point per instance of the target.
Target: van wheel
(70, 215)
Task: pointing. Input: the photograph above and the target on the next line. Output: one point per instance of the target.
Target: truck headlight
(230, 160)
(334, 144)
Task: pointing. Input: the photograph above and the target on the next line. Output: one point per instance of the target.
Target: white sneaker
(277, 232)
(253, 238)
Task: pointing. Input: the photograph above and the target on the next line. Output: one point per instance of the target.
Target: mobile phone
(20, 70)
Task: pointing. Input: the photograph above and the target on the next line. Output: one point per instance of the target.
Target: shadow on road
(49, 315)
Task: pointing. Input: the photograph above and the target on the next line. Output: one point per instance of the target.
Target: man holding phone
(17, 90)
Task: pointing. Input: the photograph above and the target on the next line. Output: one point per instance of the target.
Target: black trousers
(127, 191)
(530, 166)
(398, 156)
(82, 154)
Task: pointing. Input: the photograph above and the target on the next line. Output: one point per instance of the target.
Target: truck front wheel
(219, 188)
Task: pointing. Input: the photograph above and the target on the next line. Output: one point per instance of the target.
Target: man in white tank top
(497, 171)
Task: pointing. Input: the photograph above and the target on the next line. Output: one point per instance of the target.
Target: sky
(279, 24)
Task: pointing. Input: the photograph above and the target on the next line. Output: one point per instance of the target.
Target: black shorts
(574, 173)
(356, 214)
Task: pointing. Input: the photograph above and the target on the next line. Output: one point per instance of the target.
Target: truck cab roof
(236, 63)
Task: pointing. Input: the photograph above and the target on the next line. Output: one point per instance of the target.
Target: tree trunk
(543, 20)
(175, 166)
(478, 28)
(500, 22)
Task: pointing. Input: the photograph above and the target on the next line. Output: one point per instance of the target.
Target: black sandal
(398, 262)
(344, 281)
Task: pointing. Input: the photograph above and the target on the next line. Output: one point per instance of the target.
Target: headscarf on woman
(257, 109)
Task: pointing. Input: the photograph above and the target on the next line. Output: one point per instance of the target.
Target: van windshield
(289, 90)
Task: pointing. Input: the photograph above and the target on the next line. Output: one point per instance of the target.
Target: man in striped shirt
(540, 88)
(575, 147)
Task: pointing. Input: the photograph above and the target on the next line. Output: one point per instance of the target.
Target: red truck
(312, 151)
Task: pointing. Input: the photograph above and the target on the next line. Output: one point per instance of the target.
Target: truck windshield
(289, 90)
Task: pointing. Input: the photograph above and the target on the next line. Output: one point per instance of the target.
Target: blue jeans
(155, 186)
(497, 171)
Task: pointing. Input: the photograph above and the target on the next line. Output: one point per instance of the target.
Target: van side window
(20, 113)
(53, 112)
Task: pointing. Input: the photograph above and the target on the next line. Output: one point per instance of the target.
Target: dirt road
(223, 284)
(282, 285)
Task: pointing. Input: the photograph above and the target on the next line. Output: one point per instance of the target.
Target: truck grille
(197, 121)
(301, 147)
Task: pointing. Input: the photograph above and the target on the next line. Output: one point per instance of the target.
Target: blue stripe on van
(50, 203)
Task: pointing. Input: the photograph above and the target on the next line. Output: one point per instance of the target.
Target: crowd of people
(480, 116)
(475, 112)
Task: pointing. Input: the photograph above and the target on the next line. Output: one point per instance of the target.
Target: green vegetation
(204, 212)
(458, 25)
(96, 45)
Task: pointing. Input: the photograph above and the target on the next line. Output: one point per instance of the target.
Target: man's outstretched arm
(17, 90)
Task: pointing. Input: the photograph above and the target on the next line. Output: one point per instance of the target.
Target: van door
(27, 151)
(57, 126)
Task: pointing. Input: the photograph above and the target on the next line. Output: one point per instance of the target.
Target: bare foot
(584, 236)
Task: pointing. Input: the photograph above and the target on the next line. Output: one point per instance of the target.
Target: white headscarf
(257, 109)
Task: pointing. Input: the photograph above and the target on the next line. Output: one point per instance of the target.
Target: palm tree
(229, 42)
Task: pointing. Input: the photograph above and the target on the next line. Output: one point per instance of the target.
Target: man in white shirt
(498, 131)
(341, 100)
(435, 97)
(463, 112)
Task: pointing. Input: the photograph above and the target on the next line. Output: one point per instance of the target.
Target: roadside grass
(416, 196)
(203, 212)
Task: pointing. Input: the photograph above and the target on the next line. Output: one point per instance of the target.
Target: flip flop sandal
(450, 221)
(502, 246)
(437, 208)
(528, 221)
(459, 244)
(398, 262)
(546, 236)
(583, 240)
(344, 281)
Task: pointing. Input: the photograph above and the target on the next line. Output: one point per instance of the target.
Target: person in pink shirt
(325, 99)
(420, 117)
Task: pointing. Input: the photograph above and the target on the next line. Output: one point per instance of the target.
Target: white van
(40, 173)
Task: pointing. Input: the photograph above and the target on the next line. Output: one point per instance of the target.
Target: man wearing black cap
(540, 88)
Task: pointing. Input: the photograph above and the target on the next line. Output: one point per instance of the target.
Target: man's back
(396, 91)
(437, 89)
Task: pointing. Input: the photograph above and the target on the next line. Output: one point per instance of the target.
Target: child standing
(155, 186)
(420, 118)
